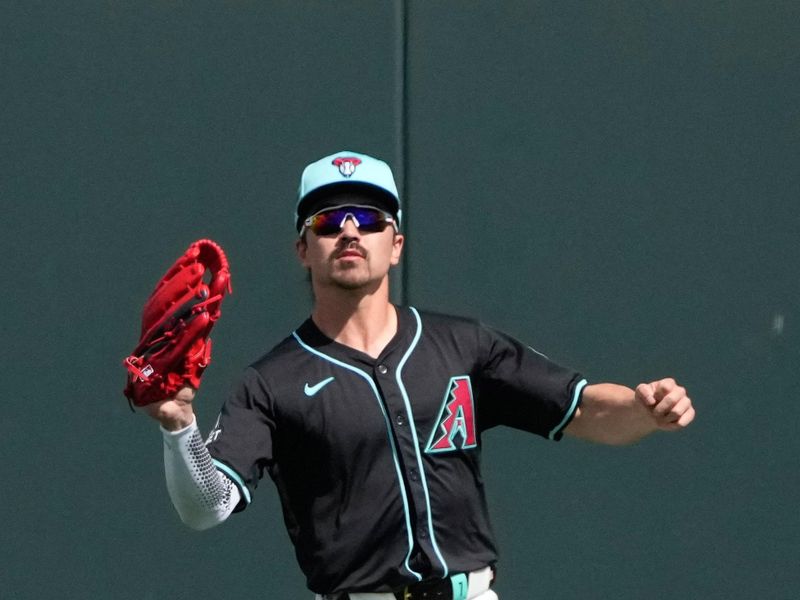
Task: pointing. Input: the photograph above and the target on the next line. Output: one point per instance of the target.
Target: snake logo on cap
(347, 164)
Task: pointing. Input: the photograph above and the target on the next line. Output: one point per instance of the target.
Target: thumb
(645, 393)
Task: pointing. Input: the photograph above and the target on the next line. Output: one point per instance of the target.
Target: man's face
(350, 259)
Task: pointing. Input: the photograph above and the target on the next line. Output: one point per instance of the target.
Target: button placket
(405, 445)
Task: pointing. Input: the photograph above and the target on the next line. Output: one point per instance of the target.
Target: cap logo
(347, 164)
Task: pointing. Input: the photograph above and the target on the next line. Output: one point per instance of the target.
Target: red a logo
(456, 419)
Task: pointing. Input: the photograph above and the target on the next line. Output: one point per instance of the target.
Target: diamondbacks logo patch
(347, 164)
(455, 426)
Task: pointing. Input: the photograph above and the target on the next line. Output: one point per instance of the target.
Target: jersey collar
(313, 336)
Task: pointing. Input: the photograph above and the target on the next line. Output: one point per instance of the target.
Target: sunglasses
(367, 219)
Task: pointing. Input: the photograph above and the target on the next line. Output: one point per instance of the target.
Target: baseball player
(369, 416)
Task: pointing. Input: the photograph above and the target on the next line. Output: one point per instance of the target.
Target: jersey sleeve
(241, 441)
(522, 388)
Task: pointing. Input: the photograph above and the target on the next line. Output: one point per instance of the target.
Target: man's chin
(354, 281)
(351, 284)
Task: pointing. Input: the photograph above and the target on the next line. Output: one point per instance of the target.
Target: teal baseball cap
(346, 170)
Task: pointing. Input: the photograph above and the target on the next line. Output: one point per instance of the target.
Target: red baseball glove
(174, 348)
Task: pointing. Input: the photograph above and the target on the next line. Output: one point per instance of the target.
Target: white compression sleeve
(201, 494)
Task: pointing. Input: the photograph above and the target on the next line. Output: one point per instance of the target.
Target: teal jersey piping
(413, 428)
(233, 476)
(371, 383)
(576, 396)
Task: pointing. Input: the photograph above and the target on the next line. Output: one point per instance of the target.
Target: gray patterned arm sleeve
(201, 494)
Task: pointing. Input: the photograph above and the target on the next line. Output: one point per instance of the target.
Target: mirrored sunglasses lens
(329, 222)
(326, 223)
(369, 219)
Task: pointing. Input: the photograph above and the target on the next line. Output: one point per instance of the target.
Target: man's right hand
(174, 413)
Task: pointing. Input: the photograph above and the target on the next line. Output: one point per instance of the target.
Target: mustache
(349, 246)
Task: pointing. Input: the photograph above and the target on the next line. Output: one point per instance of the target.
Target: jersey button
(413, 475)
(423, 533)
(383, 369)
(400, 419)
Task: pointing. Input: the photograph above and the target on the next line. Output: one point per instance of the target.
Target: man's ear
(397, 247)
(301, 247)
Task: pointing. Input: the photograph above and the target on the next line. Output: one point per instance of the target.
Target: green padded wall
(615, 183)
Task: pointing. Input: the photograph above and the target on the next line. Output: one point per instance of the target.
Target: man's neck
(365, 322)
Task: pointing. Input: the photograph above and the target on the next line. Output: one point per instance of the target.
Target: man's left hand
(668, 403)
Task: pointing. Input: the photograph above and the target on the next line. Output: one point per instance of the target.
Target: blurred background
(615, 183)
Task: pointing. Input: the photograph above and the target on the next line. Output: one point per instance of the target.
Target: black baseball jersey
(377, 460)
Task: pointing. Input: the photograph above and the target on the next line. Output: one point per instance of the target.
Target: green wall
(615, 183)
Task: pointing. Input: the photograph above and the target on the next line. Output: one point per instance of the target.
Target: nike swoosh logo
(311, 390)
